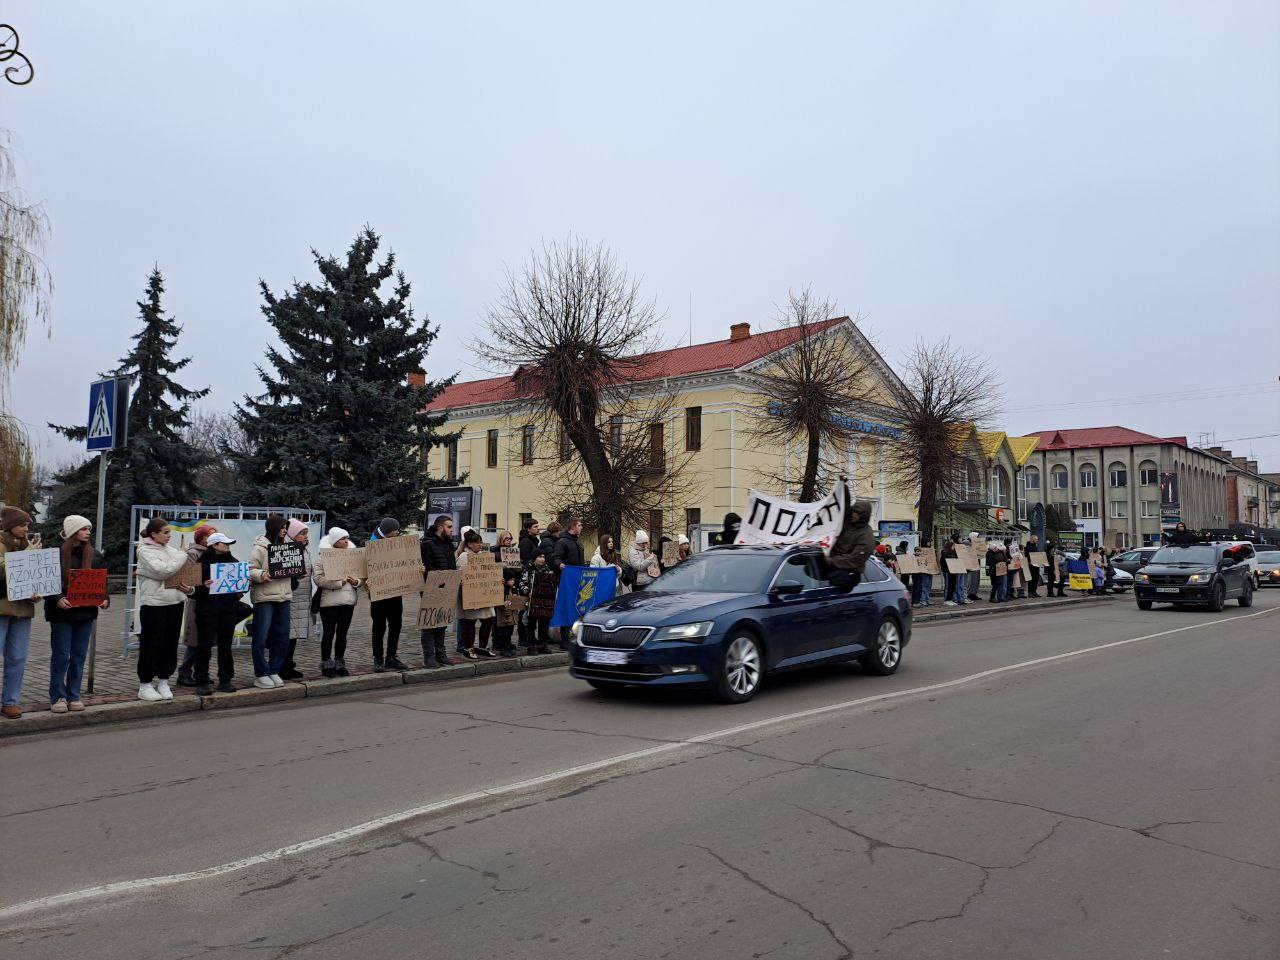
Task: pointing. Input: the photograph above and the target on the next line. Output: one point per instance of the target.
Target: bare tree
(217, 434)
(812, 390)
(948, 391)
(25, 290)
(575, 329)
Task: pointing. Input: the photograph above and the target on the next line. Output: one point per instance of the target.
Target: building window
(1022, 497)
(451, 461)
(526, 444)
(491, 521)
(566, 447)
(1151, 539)
(1059, 476)
(1149, 474)
(972, 483)
(1032, 476)
(524, 517)
(692, 517)
(1119, 509)
(491, 448)
(1088, 476)
(615, 437)
(1090, 541)
(655, 531)
(693, 428)
(1150, 508)
(1000, 487)
(1119, 475)
(657, 447)
(1088, 509)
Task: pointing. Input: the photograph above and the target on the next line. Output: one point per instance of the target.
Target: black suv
(1206, 574)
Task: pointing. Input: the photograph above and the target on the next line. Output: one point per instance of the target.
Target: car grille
(630, 672)
(624, 638)
(1168, 579)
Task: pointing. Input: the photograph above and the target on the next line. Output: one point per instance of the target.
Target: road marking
(533, 783)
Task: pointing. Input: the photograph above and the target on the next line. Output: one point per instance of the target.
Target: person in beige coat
(15, 615)
(337, 604)
(271, 608)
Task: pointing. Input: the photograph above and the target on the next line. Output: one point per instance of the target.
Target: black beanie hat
(388, 526)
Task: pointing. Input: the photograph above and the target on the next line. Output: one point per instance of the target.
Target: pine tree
(341, 426)
(157, 466)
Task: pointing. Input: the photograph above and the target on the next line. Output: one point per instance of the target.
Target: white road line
(521, 786)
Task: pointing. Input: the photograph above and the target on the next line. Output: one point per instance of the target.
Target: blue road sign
(102, 416)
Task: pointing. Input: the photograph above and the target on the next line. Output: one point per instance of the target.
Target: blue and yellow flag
(582, 589)
(1078, 577)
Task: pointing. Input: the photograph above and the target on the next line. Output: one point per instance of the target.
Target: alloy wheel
(742, 666)
(888, 645)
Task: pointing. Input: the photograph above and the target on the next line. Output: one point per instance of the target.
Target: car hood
(658, 608)
(1168, 569)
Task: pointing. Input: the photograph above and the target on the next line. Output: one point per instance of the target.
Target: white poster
(32, 573)
(770, 519)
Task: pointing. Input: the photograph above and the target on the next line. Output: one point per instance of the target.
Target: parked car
(730, 616)
(1267, 572)
(1203, 574)
(1121, 580)
(1133, 560)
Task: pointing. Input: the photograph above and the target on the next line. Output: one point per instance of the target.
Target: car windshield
(1269, 556)
(1199, 554)
(727, 571)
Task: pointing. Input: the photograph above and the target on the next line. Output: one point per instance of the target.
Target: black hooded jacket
(856, 541)
(528, 548)
(732, 523)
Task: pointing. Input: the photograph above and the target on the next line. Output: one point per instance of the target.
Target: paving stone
(252, 696)
(457, 672)
(365, 681)
(501, 665)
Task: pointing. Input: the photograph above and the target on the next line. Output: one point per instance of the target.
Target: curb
(42, 721)
(992, 611)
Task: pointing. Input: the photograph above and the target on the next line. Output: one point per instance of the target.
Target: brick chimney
(739, 331)
(418, 379)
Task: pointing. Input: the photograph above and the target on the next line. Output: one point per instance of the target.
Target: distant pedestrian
(568, 550)
(547, 543)
(996, 558)
(71, 628)
(387, 614)
(272, 606)
(1033, 546)
(684, 550)
(217, 616)
(1017, 584)
(538, 583)
(15, 615)
(607, 556)
(972, 577)
(504, 623)
(301, 617)
(956, 583)
(474, 619)
(642, 561)
(924, 581)
(190, 632)
(337, 605)
(160, 609)
(437, 554)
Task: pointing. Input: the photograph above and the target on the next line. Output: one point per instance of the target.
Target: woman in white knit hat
(337, 604)
(70, 628)
(641, 560)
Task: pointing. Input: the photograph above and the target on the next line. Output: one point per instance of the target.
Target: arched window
(1118, 474)
(972, 482)
(1061, 481)
(1032, 476)
(999, 486)
(1088, 475)
(1148, 473)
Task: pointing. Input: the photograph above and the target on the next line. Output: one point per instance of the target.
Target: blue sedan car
(730, 615)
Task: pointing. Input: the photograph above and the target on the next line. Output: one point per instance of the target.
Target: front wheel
(884, 658)
(1144, 604)
(741, 669)
(1246, 598)
(1218, 597)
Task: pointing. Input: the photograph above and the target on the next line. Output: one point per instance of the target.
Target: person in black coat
(217, 615)
(437, 554)
(568, 549)
(732, 524)
(547, 542)
(529, 531)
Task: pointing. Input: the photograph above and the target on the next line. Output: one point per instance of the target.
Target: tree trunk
(809, 483)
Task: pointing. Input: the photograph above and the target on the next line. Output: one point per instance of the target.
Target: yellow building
(503, 451)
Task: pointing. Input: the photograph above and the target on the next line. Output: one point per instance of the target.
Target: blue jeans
(959, 588)
(270, 641)
(15, 638)
(70, 644)
(926, 586)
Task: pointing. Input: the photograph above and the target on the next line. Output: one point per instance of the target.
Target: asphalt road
(1123, 803)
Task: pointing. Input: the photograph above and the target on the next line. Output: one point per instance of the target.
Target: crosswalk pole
(97, 544)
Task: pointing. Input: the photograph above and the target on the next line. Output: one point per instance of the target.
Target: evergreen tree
(158, 465)
(341, 426)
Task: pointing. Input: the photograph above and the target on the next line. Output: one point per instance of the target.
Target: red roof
(1098, 437)
(681, 362)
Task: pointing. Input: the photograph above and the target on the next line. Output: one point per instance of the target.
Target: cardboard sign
(1024, 566)
(32, 573)
(929, 564)
(229, 577)
(511, 556)
(285, 560)
(340, 564)
(439, 603)
(191, 575)
(484, 556)
(670, 553)
(907, 564)
(1039, 559)
(1002, 569)
(481, 586)
(972, 560)
(86, 588)
(956, 566)
(515, 603)
(394, 567)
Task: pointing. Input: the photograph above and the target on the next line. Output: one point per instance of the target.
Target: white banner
(771, 519)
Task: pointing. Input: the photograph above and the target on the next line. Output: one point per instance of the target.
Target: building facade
(514, 462)
(1123, 487)
(1252, 499)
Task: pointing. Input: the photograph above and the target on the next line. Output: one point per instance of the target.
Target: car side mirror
(1225, 563)
(787, 588)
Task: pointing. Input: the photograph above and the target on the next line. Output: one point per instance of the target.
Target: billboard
(1169, 490)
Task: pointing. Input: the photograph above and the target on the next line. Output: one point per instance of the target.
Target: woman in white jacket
(160, 610)
(641, 560)
(607, 556)
(337, 604)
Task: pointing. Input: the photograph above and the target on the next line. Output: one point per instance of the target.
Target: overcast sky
(1088, 193)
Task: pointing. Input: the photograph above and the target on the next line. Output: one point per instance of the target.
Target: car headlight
(1143, 578)
(576, 631)
(685, 631)
(1199, 578)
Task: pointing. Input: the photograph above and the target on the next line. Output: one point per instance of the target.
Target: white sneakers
(147, 692)
(265, 683)
(162, 688)
(275, 678)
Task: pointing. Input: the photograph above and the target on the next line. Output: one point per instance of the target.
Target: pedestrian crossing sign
(107, 402)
